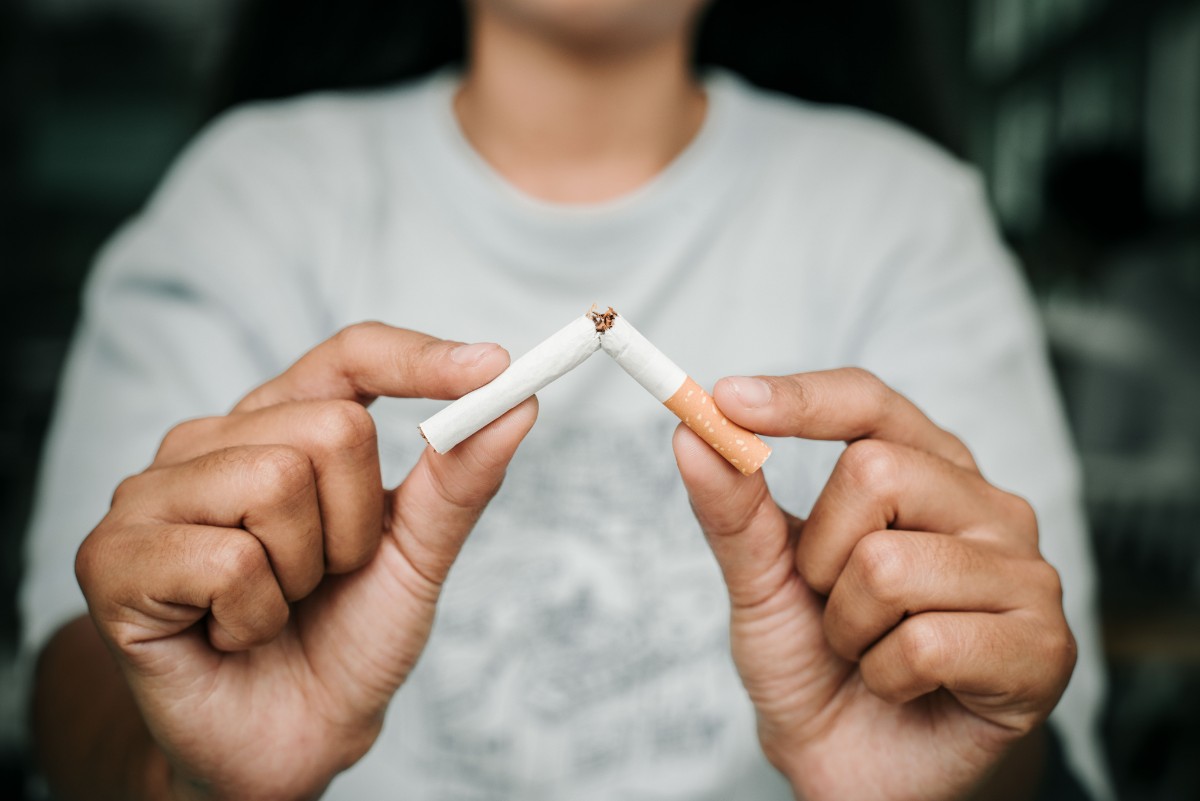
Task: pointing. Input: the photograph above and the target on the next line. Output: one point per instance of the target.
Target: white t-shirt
(581, 646)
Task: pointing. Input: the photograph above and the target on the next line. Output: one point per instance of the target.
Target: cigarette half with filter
(673, 388)
(554, 357)
(570, 347)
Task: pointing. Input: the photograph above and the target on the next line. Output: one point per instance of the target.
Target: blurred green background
(1083, 115)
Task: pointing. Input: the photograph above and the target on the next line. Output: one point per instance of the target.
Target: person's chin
(599, 25)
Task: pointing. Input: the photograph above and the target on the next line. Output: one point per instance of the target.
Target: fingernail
(472, 354)
(754, 393)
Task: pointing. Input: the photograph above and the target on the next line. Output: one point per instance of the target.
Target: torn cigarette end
(673, 388)
(603, 320)
(698, 411)
(570, 347)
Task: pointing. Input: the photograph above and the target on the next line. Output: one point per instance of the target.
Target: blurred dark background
(1083, 115)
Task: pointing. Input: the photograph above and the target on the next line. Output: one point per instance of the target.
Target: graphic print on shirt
(583, 633)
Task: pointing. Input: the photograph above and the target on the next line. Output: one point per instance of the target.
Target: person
(261, 610)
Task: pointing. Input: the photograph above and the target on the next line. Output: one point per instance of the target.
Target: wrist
(158, 780)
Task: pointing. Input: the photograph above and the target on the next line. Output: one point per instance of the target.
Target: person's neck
(576, 127)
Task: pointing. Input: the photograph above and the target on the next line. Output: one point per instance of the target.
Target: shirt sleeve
(195, 302)
(946, 319)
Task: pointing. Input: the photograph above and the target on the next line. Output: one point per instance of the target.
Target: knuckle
(274, 617)
(1019, 517)
(183, 437)
(872, 386)
(811, 569)
(871, 464)
(349, 557)
(1047, 577)
(730, 512)
(90, 559)
(797, 393)
(416, 363)
(1066, 650)
(920, 646)
(861, 375)
(485, 466)
(262, 620)
(355, 337)
(350, 345)
(344, 424)
(239, 561)
(467, 490)
(125, 492)
(833, 624)
(279, 471)
(1054, 648)
(881, 564)
(957, 450)
(251, 627)
(1024, 515)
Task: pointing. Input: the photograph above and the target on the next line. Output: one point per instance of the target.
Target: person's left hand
(901, 639)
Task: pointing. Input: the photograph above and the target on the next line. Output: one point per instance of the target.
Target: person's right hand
(264, 595)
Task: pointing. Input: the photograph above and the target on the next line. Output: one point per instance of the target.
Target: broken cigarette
(570, 347)
(549, 360)
(673, 388)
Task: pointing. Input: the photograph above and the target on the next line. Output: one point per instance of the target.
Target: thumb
(749, 534)
(436, 507)
(377, 619)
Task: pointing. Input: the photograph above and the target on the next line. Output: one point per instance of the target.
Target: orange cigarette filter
(569, 348)
(667, 382)
(698, 411)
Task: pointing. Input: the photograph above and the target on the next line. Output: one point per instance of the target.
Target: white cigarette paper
(549, 360)
(645, 363)
(673, 388)
(568, 349)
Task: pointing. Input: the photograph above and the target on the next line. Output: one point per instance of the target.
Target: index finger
(370, 360)
(847, 404)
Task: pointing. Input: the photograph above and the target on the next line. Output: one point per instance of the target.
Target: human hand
(897, 642)
(263, 594)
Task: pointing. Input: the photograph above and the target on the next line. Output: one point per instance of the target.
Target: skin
(580, 101)
(257, 596)
(262, 593)
(905, 639)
